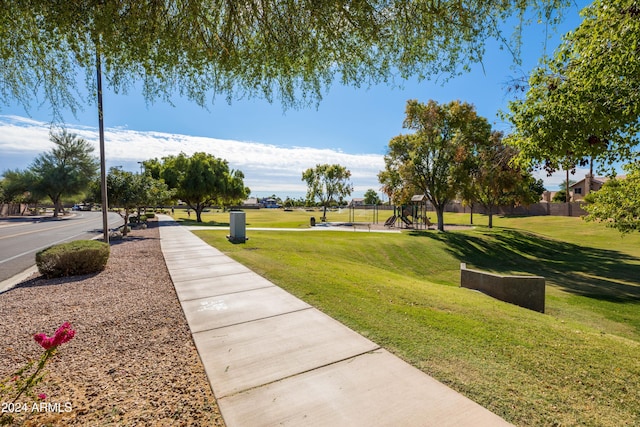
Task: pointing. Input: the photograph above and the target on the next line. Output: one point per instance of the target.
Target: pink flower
(44, 341)
(42, 396)
(62, 335)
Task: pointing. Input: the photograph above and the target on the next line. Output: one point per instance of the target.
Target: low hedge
(73, 258)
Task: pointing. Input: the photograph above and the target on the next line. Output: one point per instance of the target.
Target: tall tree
(398, 191)
(584, 102)
(371, 197)
(287, 50)
(132, 191)
(203, 180)
(497, 181)
(125, 192)
(529, 191)
(617, 203)
(327, 183)
(67, 169)
(156, 192)
(434, 159)
(20, 187)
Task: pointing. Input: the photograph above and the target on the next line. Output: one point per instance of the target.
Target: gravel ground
(132, 361)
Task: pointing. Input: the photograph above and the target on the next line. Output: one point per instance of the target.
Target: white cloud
(22, 135)
(267, 168)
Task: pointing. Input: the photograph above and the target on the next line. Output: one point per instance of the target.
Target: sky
(271, 146)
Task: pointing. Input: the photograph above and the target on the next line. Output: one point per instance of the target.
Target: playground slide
(390, 221)
(406, 220)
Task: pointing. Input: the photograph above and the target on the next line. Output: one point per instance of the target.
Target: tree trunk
(490, 218)
(198, 210)
(324, 213)
(440, 215)
(471, 222)
(55, 207)
(567, 197)
(125, 229)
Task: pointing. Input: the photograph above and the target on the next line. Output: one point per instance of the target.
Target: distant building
(547, 196)
(580, 189)
(270, 204)
(251, 202)
(356, 202)
(583, 187)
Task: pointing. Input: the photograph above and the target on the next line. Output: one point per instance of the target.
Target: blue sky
(272, 147)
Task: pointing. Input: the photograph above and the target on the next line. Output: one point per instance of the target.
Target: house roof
(597, 179)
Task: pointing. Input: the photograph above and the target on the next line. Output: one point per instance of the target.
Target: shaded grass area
(608, 279)
(575, 365)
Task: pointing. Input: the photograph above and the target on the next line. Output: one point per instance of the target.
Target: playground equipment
(391, 221)
(366, 213)
(413, 215)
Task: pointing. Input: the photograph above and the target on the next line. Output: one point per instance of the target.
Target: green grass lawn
(575, 365)
(277, 218)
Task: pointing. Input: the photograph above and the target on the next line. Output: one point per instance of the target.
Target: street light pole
(103, 171)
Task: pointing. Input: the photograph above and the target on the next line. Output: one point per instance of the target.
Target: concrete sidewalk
(272, 359)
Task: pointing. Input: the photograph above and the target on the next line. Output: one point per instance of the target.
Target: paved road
(21, 238)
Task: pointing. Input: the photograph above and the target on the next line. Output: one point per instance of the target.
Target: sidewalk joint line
(214, 277)
(228, 293)
(255, 320)
(353, 357)
(201, 266)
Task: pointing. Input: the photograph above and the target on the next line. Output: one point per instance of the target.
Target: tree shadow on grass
(595, 273)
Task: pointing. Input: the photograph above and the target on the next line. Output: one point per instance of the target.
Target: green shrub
(150, 215)
(73, 258)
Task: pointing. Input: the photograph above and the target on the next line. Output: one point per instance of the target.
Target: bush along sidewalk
(73, 258)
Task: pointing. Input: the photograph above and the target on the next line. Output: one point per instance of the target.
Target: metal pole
(566, 188)
(103, 171)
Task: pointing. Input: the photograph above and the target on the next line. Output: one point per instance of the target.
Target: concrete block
(525, 291)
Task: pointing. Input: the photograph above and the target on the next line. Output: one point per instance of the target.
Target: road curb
(11, 282)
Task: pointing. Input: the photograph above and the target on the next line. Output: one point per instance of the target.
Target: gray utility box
(237, 227)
